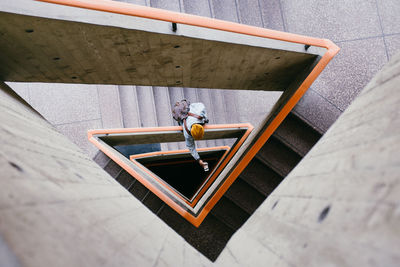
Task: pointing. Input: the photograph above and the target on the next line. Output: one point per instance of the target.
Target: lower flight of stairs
(280, 154)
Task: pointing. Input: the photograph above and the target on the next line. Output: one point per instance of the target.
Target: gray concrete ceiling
(60, 48)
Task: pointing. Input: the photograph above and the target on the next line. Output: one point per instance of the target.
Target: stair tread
(153, 202)
(245, 196)
(218, 104)
(299, 116)
(191, 94)
(138, 190)
(172, 218)
(261, 177)
(129, 106)
(101, 159)
(278, 156)
(231, 111)
(110, 106)
(209, 238)
(297, 134)
(150, 200)
(230, 213)
(204, 97)
(146, 106)
(164, 112)
(112, 168)
(176, 94)
(125, 179)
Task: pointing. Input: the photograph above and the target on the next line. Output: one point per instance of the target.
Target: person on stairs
(192, 118)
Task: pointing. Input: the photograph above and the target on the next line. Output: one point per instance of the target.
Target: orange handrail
(195, 220)
(188, 19)
(156, 153)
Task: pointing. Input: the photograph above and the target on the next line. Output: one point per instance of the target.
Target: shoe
(205, 166)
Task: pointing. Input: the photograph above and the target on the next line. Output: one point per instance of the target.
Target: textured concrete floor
(368, 32)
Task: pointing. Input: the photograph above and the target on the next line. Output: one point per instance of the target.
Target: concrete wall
(340, 205)
(58, 208)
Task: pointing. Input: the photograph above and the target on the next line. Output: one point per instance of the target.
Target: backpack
(180, 110)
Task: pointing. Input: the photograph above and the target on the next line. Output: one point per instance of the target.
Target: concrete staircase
(151, 106)
(293, 139)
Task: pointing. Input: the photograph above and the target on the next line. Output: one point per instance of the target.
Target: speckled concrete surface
(389, 11)
(73, 109)
(65, 103)
(77, 132)
(350, 70)
(338, 20)
(357, 27)
(316, 110)
(393, 44)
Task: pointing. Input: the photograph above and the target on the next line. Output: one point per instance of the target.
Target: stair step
(278, 156)
(150, 200)
(172, 218)
(113, 169)
(153, 202)
(146, 106)
(230, 213)
(169, 5)
(230, 99)
(191, 94)
(162, 106)
(209, 238)
(138, 190)
(295, 133)
(200, 8)
(204, 97)
(229, 142)
(261, 177)
(176, 94)
(101, 159)
(110, 106)
(164, 112)
(125, 179)
(245, 196)
(218, 104)
(137, 2)
(129, 106)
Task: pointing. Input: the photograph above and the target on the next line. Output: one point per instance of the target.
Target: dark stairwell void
(181, 171)
(281, 153)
